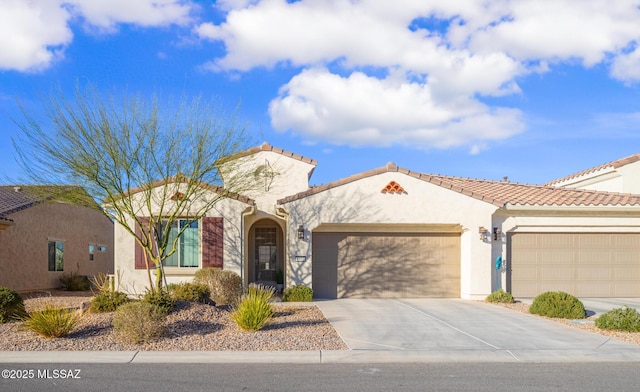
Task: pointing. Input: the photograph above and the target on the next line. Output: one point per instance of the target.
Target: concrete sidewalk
(400, 330)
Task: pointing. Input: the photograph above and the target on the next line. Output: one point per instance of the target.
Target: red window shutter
(212, 242)
(139, 252)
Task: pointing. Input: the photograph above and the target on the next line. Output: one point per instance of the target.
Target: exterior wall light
(496, 233)
(300, 232)
(484, 233)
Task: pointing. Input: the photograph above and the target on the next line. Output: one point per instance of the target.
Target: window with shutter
(212, 242)
(139, 252)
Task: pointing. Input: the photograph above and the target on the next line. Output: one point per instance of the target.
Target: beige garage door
(582, 264)
(386, 265)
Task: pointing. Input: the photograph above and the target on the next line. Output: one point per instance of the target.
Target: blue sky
(529, 89)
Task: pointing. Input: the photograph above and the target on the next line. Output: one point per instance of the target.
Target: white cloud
(147, 13)
(439, 59)
(626, 67)
(362, 110)
(35, 33)
(556, 30)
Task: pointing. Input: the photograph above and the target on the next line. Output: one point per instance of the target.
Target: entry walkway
(459, 330)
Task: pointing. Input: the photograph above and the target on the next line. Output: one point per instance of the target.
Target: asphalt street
(478, 377)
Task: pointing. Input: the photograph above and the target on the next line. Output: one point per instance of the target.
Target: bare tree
(148, 164)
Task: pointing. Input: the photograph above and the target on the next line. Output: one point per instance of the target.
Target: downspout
(251, 210)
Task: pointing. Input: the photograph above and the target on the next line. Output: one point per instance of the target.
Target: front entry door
(266, 254)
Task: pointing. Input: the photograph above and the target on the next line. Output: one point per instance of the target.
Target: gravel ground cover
(196, 326)
(586, 324)
(191, 326)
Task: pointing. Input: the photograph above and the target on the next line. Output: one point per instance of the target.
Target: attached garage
(386, 262)
(582, 264)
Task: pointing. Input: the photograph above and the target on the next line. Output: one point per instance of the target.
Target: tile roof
(498, 193)
(610, 165)
(268, 147)
(175, 179)
(14, 198)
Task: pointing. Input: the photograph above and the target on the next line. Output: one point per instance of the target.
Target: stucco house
(621, 175)
(41, 239)
(392, 232)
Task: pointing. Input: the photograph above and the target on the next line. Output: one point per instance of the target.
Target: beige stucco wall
(362, 202)
(625, 179)
(135, 281)
(288, 177)
(24, 255)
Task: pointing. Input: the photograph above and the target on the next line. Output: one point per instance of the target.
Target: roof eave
(573, 208)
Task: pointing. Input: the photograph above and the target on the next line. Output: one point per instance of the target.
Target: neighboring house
(622, 175)
(392, 232)
(43, 239)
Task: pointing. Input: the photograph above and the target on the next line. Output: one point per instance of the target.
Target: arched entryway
(265, 253)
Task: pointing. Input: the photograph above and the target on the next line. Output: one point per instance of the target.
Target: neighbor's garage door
(582, 264)
(386, 265)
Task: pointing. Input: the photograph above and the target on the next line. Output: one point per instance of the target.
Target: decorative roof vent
(178, 196)
(393, 187)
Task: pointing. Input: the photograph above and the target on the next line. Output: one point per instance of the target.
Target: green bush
(254, 310)
(51, 321)
(160, 298)
(187, 291)
(620, 319)
(139, 322)
(225, 286)
(108, 301)
(11, 305)
(500, 296)
(558, 304)
(73, 282)
(297, 293)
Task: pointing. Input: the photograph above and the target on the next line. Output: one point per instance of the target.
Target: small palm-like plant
(51, 321)
(254, 310)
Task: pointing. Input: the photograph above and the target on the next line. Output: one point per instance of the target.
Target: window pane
(189, 245)
(52, 256)
(59, 256)
(91, 250)
(172, 261)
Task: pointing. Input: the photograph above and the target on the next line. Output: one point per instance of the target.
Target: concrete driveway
(461, 330)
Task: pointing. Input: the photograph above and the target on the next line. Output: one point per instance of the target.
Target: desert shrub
(73, 282)
(297, 293)
(187, 291)
(139, 322)
(11, 305)
(500, 296)
(108, 301)
(254, 310)
(51, 321)
(160, 298)
(620, 319)
(225, 286)
(558, 304)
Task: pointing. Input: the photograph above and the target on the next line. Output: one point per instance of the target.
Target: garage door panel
(583, 264)
(625, 290)
(592, 289)
(592, 241)
(559, 241)
(593, 256)
(593, 273)
(555, 273)
(391, 265)
(626, 256)
(627, 273)
(553, 257)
